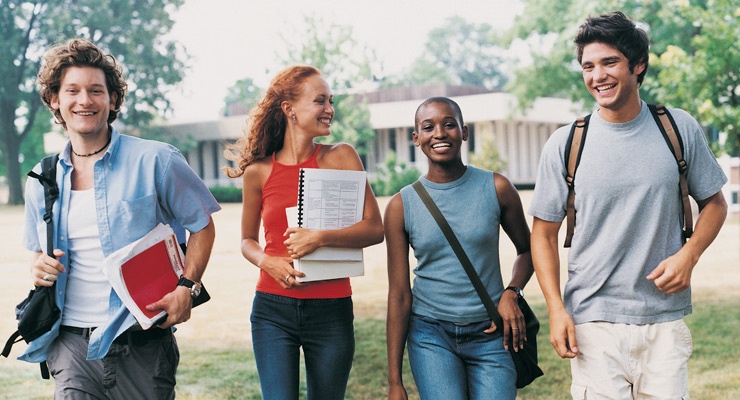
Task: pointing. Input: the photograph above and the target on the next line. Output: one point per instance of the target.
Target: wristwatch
(516, 290)
(193, 286)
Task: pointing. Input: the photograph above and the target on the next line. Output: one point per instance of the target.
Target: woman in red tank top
(288, 315)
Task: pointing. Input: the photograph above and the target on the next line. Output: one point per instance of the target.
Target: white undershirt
(88, 290)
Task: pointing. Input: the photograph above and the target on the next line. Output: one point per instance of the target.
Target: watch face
(195, 291)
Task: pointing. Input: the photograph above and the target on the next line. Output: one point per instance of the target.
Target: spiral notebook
(329, 199)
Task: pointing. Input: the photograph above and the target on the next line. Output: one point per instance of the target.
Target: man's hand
(673, 275)
(45, 269)
(563, 334)
(177, 304)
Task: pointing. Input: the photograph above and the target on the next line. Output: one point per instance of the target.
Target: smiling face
(313, 109)
(440, 132)
(608, 78)
(84, 101)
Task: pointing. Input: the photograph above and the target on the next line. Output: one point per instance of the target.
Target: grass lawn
(230, 372)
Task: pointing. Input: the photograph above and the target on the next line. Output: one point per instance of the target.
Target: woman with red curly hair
(288, 315)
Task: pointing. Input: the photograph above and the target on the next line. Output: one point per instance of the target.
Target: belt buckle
(87, 332)
(461, 323)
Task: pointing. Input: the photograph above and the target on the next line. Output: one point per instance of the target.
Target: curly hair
(79, 53)
(615, 29)
(267, 122)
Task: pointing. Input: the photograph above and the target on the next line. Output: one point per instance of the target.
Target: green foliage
(393, 176)
(244, 94)
(332, 49)
(130, 30)
(704, 77)
(488, 157)
(227, 194)
(694, 63)
(460, 53)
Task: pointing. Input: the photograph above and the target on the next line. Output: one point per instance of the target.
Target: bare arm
(399, 295)
(547, 267)
(515, 226)
(277, 267)
(673, 275)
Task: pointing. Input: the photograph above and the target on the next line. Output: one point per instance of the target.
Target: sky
(229, 40)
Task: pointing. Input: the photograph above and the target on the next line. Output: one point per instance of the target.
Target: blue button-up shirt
(138, 183)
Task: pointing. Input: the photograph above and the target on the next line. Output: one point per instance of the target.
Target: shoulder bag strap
(670, 133)
(460, 252)
(573, 151)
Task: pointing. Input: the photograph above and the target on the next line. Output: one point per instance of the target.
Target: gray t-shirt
(628, 217)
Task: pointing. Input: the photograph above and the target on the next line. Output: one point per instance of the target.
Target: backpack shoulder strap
(48, 178)
(573, 150)
(670, 133)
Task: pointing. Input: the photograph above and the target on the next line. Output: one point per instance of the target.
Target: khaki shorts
(621, 361)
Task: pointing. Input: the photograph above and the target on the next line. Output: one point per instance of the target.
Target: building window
(471, 138)
(412, 148)
(201, 163)
(392, 139)
(216, 159)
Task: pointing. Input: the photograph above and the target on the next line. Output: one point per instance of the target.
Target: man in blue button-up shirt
(114, 189)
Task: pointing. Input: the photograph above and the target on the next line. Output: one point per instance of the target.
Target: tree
(694, 62)
(242, 97)
(131, 30)
(460, 53)
(346, 66)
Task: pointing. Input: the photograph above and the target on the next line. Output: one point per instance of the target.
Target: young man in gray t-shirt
(620, 317)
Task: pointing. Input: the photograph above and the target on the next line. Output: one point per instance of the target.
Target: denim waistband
(294, 301)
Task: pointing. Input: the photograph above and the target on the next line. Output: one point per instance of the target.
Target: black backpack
(38, 312)
(574, 148)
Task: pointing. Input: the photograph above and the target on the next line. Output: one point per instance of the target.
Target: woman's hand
(301, 241)
(515, 327)
(281, 270)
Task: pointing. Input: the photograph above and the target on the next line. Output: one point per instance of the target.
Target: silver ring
(287, 278)
(48, 277)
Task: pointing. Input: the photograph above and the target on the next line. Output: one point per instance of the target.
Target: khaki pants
(626, 362)
(144, 370)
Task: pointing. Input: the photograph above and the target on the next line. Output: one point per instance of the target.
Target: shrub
(227, 194)
(392, 176)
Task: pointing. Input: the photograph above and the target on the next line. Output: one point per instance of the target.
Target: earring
(293, 117)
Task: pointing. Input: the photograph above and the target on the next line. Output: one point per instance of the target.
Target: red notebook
(150, 275)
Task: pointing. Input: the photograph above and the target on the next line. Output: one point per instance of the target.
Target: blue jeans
(322, 327)
(451, 362)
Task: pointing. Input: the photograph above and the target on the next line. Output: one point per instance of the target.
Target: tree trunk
(11, 148)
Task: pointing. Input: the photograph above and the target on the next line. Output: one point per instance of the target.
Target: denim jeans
(451, 362)
(281, 326)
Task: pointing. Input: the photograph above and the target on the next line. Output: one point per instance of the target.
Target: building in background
(489, 116)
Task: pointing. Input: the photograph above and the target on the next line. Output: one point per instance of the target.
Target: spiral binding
(300, 197)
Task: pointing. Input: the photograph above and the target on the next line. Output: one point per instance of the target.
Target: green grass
(230, 373)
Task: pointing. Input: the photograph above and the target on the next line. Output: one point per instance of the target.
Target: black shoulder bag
(525, 360)
(38, 312)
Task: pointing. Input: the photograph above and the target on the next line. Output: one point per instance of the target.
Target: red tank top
(280, 192)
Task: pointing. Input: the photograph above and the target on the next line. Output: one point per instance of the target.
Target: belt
(131, 336)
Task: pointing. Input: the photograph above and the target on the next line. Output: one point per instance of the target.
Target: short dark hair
(80, 53)
(444, 100)
(616, 29)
